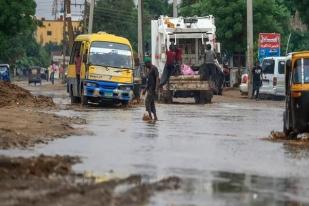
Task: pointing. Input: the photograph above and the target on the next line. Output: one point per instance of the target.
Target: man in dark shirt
(151, 88)
(257, 80)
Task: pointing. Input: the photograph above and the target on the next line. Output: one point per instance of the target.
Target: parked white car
(273, 82)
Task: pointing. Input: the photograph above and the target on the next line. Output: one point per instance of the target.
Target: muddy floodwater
(217, 150)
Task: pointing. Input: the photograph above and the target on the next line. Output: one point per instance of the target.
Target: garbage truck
(190, 35)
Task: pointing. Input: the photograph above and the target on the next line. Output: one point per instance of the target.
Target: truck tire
(203, 97)
(286, 130)
(169, 97)
(166, 97)
(208, 97)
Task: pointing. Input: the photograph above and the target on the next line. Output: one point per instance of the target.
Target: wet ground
(217, 150)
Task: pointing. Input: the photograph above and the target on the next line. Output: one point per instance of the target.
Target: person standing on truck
(78, 64)
(209, 56)
(169, 65)
(151, 88)
(257, 80)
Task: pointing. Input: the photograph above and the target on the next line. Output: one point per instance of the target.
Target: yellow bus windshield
(110, 54)
(301, 71)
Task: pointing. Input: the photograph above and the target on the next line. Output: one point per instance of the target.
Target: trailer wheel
(208, 97)
(203, 97)
(166, 97)
(169, 97)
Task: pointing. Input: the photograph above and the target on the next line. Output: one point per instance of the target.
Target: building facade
(51, 31)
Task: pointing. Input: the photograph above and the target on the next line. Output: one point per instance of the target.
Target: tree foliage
(269, 16)
(17, 27)
(303, 7)
(116, 17)
(120, 17)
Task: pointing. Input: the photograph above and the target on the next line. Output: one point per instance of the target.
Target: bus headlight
(90, 84)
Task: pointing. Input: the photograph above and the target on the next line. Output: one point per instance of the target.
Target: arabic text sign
(269, 40)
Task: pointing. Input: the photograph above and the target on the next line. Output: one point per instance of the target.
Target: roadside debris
(13, 95)
(23, 122)
(47, 180)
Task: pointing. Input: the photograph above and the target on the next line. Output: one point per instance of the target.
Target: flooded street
(217, 150)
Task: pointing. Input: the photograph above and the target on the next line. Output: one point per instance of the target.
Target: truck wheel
(169, 97)
(286, 131)
(166, 97)
(208, 97)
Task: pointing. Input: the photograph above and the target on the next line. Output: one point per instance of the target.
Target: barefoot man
(151, 88)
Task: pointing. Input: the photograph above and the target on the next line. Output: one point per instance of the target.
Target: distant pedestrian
(151, 88)
(52, 74)
(257, 80)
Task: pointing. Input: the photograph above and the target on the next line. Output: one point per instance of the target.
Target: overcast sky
(44, 8)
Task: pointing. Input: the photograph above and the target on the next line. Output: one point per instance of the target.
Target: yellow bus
(106, 69)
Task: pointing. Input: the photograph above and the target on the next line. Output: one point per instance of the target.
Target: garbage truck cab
(106, 69)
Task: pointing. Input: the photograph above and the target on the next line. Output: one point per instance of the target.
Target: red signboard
(269, 40)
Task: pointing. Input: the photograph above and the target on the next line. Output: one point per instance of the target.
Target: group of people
(172, 67)
(53, 69)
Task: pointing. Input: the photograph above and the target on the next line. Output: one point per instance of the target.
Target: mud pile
(49, 181)
(42, 166)
(13, 95)
(21, 128)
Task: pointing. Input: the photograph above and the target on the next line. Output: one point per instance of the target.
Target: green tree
(17, 27)
(120, 17)
(117, 17)
(303, 7)
(269, 16)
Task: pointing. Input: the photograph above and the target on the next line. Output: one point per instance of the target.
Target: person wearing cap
(151, 88)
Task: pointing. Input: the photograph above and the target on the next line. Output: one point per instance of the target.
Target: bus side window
(75, 50)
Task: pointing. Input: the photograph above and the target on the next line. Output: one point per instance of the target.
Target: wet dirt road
(217, 150)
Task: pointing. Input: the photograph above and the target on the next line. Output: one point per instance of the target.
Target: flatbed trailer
(187, 86)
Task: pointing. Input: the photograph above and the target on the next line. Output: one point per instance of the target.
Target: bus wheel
(84, 99)
(74, 99)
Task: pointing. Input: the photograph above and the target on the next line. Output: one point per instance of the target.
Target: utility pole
(175, 10)
(55, 9)
(70, 26)
(64, 33)
(90, 25)
(140, 30)
(85, 16)
(250, 45)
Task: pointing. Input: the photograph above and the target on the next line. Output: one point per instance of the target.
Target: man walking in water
(151, 88)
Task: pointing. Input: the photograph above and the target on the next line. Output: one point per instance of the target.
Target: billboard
(269, 45)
